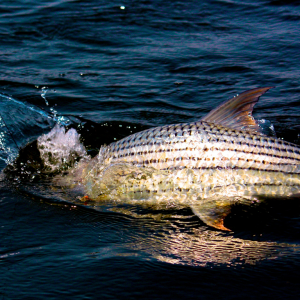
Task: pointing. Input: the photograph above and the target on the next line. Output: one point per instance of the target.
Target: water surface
(140, 64)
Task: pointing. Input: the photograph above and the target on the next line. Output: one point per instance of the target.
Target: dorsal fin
(236, 113)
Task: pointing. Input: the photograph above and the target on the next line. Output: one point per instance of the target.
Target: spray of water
(11, 128)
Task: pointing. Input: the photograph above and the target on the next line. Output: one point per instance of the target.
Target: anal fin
(213, 212)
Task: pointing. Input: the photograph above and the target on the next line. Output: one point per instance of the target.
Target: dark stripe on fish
(154, 161)
(143, 153)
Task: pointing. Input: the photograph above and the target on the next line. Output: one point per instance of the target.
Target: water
(122, 67)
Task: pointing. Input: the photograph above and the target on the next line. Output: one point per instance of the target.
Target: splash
(25, 118)
(8, 154)
(267, 127)
(53, 112)
(60, 148)
(43, 94)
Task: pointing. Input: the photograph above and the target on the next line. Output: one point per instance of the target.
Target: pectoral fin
(213, 212)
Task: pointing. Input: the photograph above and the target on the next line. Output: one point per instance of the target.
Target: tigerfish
(207, 165)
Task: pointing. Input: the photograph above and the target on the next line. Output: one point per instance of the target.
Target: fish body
(203, 145)
(207, 164)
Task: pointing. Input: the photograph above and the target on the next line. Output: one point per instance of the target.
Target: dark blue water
(141, 64)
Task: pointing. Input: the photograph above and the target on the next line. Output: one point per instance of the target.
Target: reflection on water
(186, 242)
(203, 247)
(176, 237)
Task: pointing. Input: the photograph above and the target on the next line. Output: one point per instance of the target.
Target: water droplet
(43, 94)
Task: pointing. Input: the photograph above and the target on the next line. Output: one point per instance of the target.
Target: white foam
(59, 148)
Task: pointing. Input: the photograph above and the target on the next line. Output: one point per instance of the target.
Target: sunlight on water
(204, 248)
